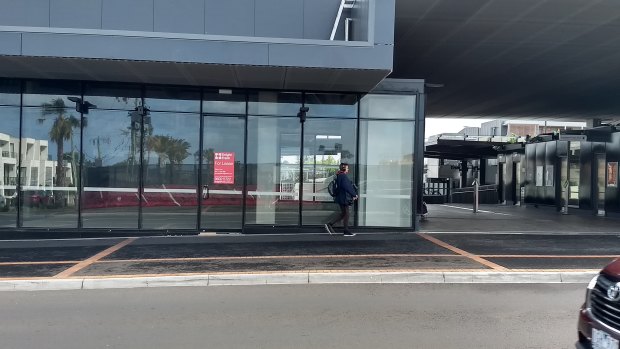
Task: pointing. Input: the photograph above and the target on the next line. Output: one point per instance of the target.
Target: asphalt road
(316, 316)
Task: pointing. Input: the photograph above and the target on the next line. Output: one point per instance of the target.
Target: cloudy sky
(437, 126)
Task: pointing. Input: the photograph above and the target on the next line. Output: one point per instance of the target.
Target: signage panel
(573, 138)
(224, 168)
(612, 174)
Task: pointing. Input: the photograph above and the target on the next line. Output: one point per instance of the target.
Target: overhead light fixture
(80, 105)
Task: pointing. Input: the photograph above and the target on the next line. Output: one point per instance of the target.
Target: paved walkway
(518, 219)
(582, 246)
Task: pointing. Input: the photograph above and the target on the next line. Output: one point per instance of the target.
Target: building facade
(203, 115)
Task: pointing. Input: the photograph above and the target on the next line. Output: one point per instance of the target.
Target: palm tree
(178, 150)
(207, 156)
(62, 130)
(168, 149)
(159, 145)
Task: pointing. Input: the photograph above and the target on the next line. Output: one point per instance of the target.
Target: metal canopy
(451, 149)
(217, 75)
(552, 59)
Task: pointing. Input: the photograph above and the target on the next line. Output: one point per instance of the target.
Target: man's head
(344, 167)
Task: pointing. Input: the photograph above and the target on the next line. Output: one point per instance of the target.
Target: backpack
(332, 187)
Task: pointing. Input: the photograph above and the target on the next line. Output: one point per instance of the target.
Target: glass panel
(386, 167)
(388, 107)
(574, 170)
(274, 103)
(172, 99)
(518, 175)
(50, 158)
(334, 105)
(108, 96)
(222, 172)
(171, 146)
(564, 179)
(37, 93)
(327, 143)
(111, 170)
(9, 92)
(273, 170)
(9, 160)
(601, 176)
(224, 101)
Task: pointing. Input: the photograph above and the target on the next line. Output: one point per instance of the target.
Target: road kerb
(297, 278)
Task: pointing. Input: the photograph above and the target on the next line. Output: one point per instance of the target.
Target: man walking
(345, 195)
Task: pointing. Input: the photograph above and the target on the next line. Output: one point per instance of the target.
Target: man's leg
(345, 220)
(329, 227)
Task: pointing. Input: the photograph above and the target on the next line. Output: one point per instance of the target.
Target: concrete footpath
(225, 259)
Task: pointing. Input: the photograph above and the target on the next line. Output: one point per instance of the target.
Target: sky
(436, 126)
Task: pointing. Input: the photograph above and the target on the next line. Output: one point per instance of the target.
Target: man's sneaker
(348, 233)
(329, 229)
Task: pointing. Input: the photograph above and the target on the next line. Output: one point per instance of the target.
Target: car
(599, 318)
(39, 199)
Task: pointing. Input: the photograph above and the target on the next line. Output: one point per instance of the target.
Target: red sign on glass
(224, 168)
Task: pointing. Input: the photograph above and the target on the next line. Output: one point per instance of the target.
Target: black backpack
(332, 187)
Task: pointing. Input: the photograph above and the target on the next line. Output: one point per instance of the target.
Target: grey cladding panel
(319, 17)
(360, 16)
(27, 13)
(229, 17)
(377, 57)
(144, 49)
(75, 14)
(384, 21)
(128, 15)
(179, 16)
(10, 44)
(279, 18)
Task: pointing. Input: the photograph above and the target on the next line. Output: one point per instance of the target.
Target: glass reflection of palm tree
(62, 130)
(208, 155)
(168, 149)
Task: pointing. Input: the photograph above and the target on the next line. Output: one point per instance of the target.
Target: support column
(463, 173)
(482, 164)
(418, 170)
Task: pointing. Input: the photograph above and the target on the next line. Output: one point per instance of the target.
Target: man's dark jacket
(346, 190)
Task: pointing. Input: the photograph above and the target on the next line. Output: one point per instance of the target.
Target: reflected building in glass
(186, 121)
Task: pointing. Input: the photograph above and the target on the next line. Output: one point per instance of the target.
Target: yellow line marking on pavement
(37, 263)
(464, 253)
(200, 259)
(544, 256)
(85, 263)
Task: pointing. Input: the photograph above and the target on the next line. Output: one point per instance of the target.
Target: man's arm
(348, 186)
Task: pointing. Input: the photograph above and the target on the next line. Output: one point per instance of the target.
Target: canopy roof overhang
(451, 149)
(553, 59)
(191, 74)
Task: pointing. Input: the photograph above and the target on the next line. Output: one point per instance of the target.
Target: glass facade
(386, 160)
(574, 173)
(164, 158)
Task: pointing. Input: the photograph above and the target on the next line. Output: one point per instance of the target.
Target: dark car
(39, 199)
(599, 318)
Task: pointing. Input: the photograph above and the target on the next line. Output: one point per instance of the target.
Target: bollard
(566, 194)
(476, 188)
